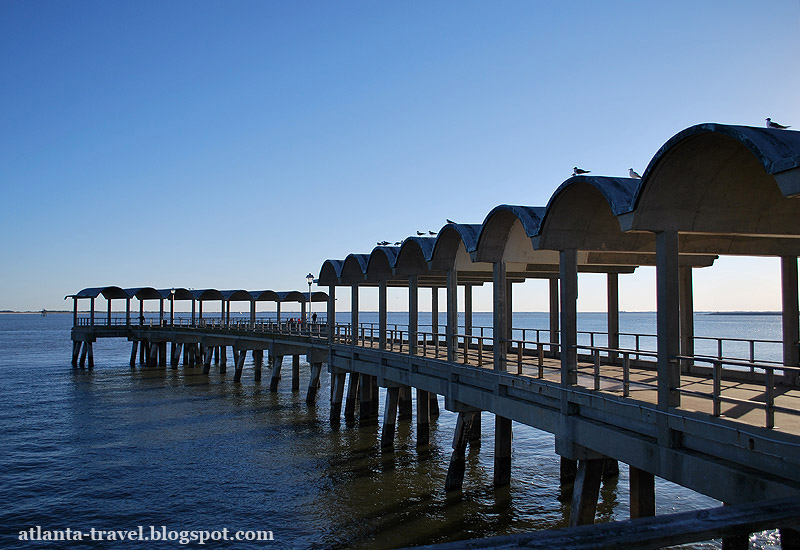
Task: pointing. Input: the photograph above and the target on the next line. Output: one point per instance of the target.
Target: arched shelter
(720, 189)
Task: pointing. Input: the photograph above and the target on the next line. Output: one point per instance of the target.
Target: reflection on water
(115, 448)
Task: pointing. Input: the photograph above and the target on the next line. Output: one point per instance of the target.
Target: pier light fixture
(309, 280)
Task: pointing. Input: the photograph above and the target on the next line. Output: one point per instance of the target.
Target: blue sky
(240, 144)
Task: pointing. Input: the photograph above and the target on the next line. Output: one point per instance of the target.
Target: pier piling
(241, 356)
(337, 394)
(295, 372)
(352, 397)
(502, 451)
(276, 373)
(585, 491)
(313, 383)
(390, 418)
(455, 471)
(423, 418)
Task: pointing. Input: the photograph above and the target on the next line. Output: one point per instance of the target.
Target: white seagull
(634, 174)
(771, 124)
(578, 172)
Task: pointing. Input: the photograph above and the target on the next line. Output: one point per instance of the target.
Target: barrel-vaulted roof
(108, 292)
(497, 228)
(452, 238)
(381, 263)
(331, 272)
(414, 255)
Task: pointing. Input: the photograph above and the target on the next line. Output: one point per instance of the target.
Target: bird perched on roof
(398, 243)
(420, 233)
(450, 221)
(579, 172)
(383, 243)
(634, 174)
(771, 124)
(431, 232)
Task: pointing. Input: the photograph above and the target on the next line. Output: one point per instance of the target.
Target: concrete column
(223, 358)
(338, 381)
(554, 316)
(295, 372)
(423, 418)
(389, 418)
(568, 267)
(141, 311)
(303, 311)
(352, 397)
(278, 314)
(171, 309)
(668, 319)
(643, 493)
(200, 305)
(161, 312)
(227, 305)
(382, 314)
(252, 313)
(74, 312)
(331, 313)
(276, 372)
(612, 282)
(193, 305)
(455, 471)
(789, 303)
(435, 311)
(354, 328)
(90, 355)
(84, 351)
(686, 314)
(368, 412)
(467, 317)
(451, 329)
(502, 451)
(108, 316)
(586, 491)
(313, 383)
(237, 376)
(413, 313)
(134, 349)
(499, 310)
(127, 312)
(91, 314)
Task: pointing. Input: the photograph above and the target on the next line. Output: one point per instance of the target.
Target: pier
(725, 425)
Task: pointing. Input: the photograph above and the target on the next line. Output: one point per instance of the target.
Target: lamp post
(309, 280)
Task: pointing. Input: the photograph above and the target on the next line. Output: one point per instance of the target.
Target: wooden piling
(276, 373)
(242, 355)
(404, 404)
(502, 451)
(313, 383)
(643, 493)
(390, 418)
(337, 393)
(258, 360)
(295, 372)
(423, 418)
(134, 350)
(586, 491)
(352, 397)
(455, 471)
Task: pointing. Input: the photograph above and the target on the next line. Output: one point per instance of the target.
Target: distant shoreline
(99, 313)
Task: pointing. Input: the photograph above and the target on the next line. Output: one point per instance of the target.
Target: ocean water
(115, 449)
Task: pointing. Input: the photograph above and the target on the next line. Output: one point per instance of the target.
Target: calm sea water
(114, 449)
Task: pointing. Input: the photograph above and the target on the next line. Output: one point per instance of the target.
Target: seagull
(450, 221)
(634, 174)
(431, 232)
(420, 233)
(771, 124)
(398, 243)
(577, 171)
(383, 243)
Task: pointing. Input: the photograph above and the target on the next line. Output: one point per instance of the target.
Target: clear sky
(240, 144)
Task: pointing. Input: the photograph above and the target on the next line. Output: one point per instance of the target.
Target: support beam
(413, 313)
(354, 325)
(389, 418)
(686, 314)
(668, 319)
(612, 309)
(643, 493)
(382, 314)
(313, 383)
(423, 418)
(502, 451)
(499, 310)
(276, 372)
(585, 491)
(455, 471)
(331, 313)
(554, 317)
(338, 382)
(237, 375)
(451, 329)
(295, 372)
(568, 272)
(791, 328)
(435, 311)
(352, 397)
(405, 403)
